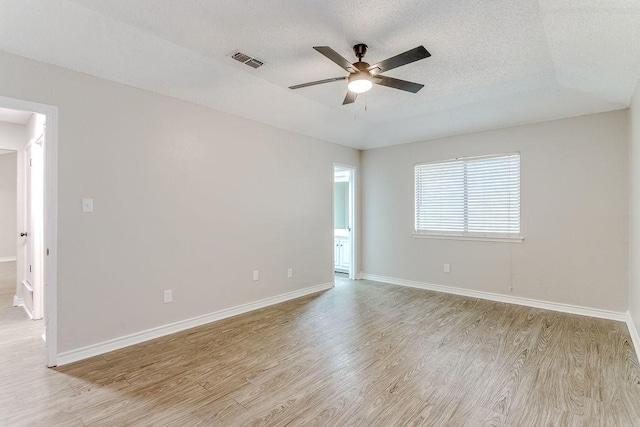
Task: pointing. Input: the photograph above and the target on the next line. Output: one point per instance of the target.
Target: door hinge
(29, 162)
(47, 251)
(29, 269)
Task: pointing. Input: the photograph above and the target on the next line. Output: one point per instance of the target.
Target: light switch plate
(255, 274)
(447, 268)
(87, 205)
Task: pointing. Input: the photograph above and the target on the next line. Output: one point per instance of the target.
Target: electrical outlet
(168, 296)
(87, 205)
(447, 268)
(290, 272)
(255, 274)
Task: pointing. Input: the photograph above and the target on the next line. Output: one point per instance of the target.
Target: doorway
(344, 220)
(22, 143)
(30, 131)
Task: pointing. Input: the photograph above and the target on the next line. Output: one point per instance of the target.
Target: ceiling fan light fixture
(360, 82)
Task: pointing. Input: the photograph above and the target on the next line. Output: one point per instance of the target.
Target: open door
(344, 220)
(32, 291)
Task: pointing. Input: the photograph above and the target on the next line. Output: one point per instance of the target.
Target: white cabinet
(342, 254)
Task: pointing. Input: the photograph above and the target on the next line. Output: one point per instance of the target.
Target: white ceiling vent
(247, 60)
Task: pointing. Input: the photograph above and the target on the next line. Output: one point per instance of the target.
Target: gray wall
(190, 199)
(574, 214)
(8, 204)
(634, 207)
(186, 198)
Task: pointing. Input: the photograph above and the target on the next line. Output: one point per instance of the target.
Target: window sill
(472, 238)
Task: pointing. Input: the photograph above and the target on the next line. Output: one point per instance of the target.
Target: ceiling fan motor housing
(361, 66)
(360, 50)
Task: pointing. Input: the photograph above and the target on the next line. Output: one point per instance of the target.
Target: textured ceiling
(494, 63)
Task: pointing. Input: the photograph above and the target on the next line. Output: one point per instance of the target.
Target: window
(469, 198)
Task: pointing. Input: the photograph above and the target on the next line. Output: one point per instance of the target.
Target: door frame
(353, 215)
(50, 248)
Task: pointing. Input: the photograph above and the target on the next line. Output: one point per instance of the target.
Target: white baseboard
(7, 259)
(26, 310)
(633, 331)
(17, 301)
(547, 305)
(160, 331)
(27, 286)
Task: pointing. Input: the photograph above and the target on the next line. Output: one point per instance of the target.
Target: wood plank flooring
(361, 354)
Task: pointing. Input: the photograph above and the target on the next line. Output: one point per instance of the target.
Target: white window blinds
(475, 196)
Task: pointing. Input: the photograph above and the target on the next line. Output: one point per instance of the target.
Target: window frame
(466, 235)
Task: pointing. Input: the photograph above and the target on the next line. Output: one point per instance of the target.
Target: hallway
(22, 350)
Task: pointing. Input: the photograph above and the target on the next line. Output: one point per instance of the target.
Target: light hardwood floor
(360, 354)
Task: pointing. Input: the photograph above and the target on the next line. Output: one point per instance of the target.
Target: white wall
(341, 205)
(8, 204)
(13, 137)
(634, 208)
(574, 214)
(186, 198)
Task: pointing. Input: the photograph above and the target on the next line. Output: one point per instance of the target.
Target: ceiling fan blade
(397, 83)
(318, 82)
(407, 57)
(335, 57)
(350, 98)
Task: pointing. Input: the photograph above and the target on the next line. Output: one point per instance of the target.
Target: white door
(32, 289)
(27, 233)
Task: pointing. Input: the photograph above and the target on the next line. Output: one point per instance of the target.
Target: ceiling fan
(362, 76)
